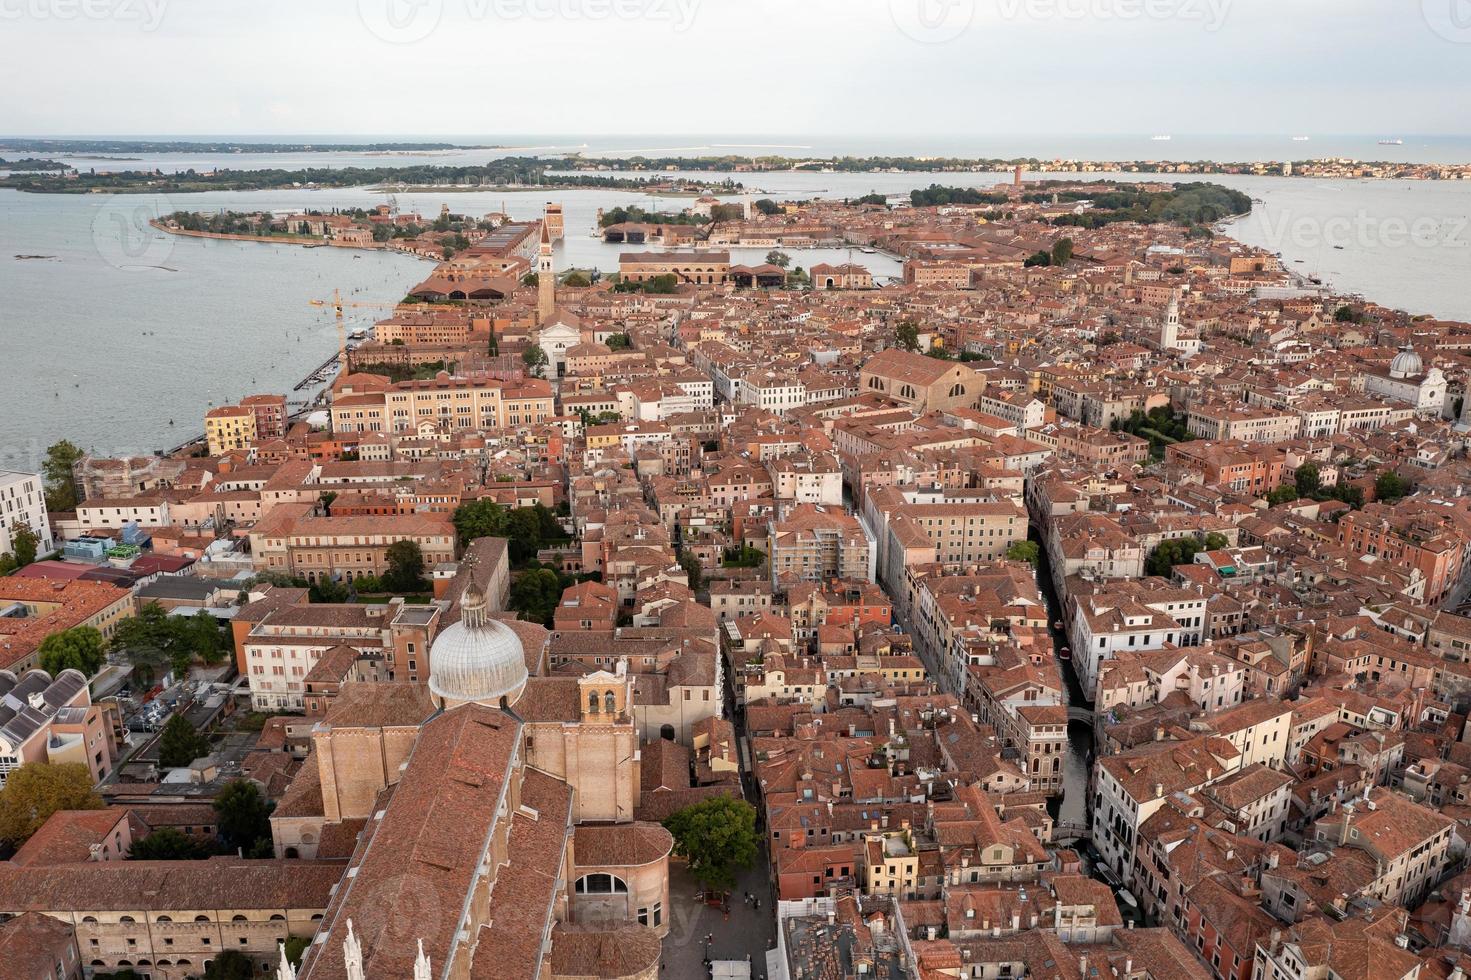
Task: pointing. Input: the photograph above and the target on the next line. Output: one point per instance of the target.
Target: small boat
(1057, 626)
(1392, 142)
(1301, 139)
(1064, 654)
(1161, 139)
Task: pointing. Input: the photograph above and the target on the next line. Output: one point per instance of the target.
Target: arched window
(201, 918)
(239, 918)
(610, 703)
(163, 918)
(278, 917)
(126, 920)
(957, 390)
(601, 884)
(592, 702)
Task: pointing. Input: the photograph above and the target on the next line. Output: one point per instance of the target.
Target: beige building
(230, 428)
(700, 268)
(924, 383)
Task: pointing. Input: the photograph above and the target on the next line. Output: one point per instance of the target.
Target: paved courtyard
(747, 931)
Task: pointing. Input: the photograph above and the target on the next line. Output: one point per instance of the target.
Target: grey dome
(478, 658)
(1406, 364)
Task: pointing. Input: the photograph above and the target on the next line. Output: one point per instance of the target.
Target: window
(601, 884)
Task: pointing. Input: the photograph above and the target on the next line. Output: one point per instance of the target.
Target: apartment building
(23, 503)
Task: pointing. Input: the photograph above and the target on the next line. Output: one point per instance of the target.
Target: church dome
(1406, 364)
(478, 658)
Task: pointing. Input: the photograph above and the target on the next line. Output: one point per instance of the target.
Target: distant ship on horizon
(1301, 139)
(1393, 142)
(1161, 139)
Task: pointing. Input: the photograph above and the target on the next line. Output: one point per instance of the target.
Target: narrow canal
(1071, 808)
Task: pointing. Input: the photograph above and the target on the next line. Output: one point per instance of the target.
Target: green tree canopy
(778, 258)
(1390, 487)
(692, 569)
(57, 474)
(153, 639)
(243, 815)
(907, 334)
(38, 789)
(230, 964)
(1307, 481)
(1062, 251)
(536, 592)
(168, 844)
(79, 648)
(535, 359)
(405, 567)
(25, 542)
(180, 744)
(717, 837)
(1026, 551)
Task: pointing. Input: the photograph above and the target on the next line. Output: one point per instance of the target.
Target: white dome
(478, 658)
(1406, 364)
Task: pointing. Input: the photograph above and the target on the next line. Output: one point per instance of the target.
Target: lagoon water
(119, 328)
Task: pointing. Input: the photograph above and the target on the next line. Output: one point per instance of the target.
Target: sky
(796, 67)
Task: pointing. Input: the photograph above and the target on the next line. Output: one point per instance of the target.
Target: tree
(692, 569)
(535, 359)
(25, 543)
(482, 518)
(79, 648)
(778, 258)
(1026, 551)
(1041, 257)
(535, 594)
(58, 474)
(148, 641)
(717, 837)
(1062, 251)
(38, 789)
(326, 501)
(180, 744)
(243, 815)
(768, 207)
(531, 279)
(907, 334)
(405, 567)
(296, 948)
(1307, 480)
(168, 844)
(743, 557)
(620, 341)
(1390, 487)
(201, 637)
(230, 964)
(1168, 554)
(577, 280)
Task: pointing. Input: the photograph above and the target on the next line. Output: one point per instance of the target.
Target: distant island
(652, 174)
(32, 163)
(73, 146)
(506, 173)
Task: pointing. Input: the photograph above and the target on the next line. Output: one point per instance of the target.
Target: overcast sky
(797, 67)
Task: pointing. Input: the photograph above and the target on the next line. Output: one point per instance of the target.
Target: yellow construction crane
(337, 303)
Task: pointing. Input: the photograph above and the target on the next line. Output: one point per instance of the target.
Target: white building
(23, 501)
(1409, 383)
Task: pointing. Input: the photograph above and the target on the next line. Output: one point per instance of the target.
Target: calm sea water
(120, 329)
